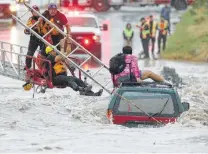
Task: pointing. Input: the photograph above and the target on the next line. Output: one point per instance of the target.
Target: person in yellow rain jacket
(59, 19)
(153, 31)
(128, 34)
(34, 42)
(145, 36)
(163, 32)
(60, 78)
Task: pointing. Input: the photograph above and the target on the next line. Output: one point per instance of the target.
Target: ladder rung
(48, 32)
(34, 24)
(98, 71)
(85, 61)
(73, 51)
(24, 14)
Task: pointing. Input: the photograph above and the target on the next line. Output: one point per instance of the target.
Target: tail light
(109, 114)
(86, 41)
(96, 38)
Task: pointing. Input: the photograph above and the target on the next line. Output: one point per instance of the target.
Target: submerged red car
(147, 103)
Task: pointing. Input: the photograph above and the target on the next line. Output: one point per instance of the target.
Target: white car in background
(8, 7)
(86, 30)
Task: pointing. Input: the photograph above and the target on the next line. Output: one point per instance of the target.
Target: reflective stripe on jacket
(163, 27)
(154, 29)
(128, 32)
(145, 32)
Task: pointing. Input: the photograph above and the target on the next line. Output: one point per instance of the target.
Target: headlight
(13, 8)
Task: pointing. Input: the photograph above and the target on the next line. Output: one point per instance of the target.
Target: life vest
(163, 27)
(128, 32)
(154, 29)
(145, 33)
(46, 27)
(31, 21)
(59, 68)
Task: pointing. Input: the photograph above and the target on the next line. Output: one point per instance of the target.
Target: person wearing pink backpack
(130, 71)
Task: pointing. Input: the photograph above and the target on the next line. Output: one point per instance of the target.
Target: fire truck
(104, 5)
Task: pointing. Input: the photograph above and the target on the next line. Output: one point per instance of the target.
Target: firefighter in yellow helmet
(163, 32)
(60, 78)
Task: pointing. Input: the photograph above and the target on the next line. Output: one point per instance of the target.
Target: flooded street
(63, 121)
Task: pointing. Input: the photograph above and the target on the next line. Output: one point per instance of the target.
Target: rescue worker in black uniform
(34, 42)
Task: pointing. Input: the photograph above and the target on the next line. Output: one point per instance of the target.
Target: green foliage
(190, 40)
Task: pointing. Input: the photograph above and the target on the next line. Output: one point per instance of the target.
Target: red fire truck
(104, 5)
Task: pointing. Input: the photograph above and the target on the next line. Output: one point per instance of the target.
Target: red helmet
(36, 7)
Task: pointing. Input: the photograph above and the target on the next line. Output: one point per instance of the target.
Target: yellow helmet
(48, 49)
(27, 86)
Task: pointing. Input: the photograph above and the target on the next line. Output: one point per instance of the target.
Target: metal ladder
(78, 46)
(12, 60)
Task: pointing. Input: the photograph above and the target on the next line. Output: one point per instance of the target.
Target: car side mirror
(186, 106)
(104, 27)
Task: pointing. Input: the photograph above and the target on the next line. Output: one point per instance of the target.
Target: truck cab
(86, 30)
(8, 7)
(149, 103)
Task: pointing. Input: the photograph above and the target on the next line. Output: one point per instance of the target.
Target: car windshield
(82, 22)
(151, 103)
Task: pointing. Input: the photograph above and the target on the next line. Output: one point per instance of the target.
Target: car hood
(85, 30)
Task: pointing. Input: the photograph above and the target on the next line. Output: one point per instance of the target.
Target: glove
(27, 32)
(27, 86)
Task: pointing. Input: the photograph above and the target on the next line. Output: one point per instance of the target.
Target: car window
(82, 22)
(151, 103)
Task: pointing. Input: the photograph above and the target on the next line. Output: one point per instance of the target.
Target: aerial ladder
(12, 60)
(76, 44)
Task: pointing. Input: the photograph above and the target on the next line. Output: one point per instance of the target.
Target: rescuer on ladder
(34, 41)
(60, 20)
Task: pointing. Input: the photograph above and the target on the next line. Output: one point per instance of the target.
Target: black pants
(153, 43)
(56, 39)
(34, 43)
(69, 81)
(164, 39)
(168, 25)
(145, 45)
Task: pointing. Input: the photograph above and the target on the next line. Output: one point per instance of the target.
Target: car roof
(146, 86)
(80, 14)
